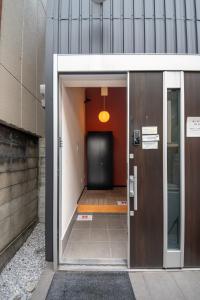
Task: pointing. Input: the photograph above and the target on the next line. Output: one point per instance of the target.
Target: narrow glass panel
(173, 167)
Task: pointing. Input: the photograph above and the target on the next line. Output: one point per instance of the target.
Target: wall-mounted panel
(170, 36)
(160, 36)
(149, 9)
(85, 37)
(197, 6)
(139, 36)
(118, 36)
(74, 34)
(107, 36)
(159, 8)
(10, 98)
(75, 9)
(190, 9)
(85, 9)
(96, 36)
(64, 38)
(181, 42)
(11, 36)
(128, 9)
(138, 9)
(96, 9)
(180, 9)
(107, 9)
(169, 9)
(128, 36)
(149, 36)
(65, 9)
(191, 36)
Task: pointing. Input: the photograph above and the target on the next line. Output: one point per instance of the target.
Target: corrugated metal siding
(129, 26)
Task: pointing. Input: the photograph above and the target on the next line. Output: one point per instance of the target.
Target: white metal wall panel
(181, 36)
(191, 36)
(129, 26)
(180, 9)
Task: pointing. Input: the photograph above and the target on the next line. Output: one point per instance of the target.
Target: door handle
(135, 188)
(131, 189)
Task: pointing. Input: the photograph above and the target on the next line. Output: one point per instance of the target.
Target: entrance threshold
(117, 268)
(100, 268)
(94, 262)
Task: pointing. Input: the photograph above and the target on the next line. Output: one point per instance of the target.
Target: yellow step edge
(85, 208)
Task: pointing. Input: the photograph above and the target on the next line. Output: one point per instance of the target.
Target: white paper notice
(122, 202)
(149, 145)
(150, 130)
(150, 138)
(84, 218)
(193, 126)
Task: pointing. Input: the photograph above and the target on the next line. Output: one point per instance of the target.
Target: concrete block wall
(18, 183)
(41, 181)
(22, 52)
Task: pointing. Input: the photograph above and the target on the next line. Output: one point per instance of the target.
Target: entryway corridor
(102, 239)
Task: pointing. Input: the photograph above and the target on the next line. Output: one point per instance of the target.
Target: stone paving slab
(166, 285)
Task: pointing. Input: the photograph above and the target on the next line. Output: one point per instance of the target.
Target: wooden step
(104, 208)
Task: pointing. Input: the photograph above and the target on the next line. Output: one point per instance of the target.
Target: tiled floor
(104, 238)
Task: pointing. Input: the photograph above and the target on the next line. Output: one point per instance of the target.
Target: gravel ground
(21, 275)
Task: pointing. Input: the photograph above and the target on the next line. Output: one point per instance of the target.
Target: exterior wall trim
(55, 164)
(127, 62)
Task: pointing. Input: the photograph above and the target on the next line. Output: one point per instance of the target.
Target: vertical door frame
(60, 184)
(182, 144)
(174, 258)
(128, 157)
(55, 162)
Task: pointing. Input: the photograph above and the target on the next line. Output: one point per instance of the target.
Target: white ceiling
(94, 80)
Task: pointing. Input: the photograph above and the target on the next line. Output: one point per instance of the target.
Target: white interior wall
(73, 160)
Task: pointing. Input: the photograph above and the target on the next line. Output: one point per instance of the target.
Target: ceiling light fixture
(104, 115)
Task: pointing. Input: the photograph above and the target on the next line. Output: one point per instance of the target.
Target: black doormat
(90, 286)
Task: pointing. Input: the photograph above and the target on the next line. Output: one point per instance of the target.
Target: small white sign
(149, 130)
(151, 138)
(123, 202)
(193, 126)
(149, 145)
(84, 218)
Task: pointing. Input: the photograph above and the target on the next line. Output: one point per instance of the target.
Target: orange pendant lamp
(104, 115)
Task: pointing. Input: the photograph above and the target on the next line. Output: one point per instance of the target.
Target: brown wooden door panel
(192, 178)
(146, 226)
